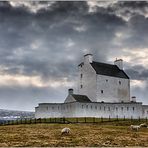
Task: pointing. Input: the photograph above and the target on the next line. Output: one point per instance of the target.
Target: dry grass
(81, 135)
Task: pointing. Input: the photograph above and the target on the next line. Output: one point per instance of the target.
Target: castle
(103, 91)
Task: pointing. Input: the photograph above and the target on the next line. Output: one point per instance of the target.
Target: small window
(127, 108)
(116, 108)
(101, 91)
(52, 107)
(58, 107)
(119, 82)
(122, 108)
(108, 108)
(133, 108)
(86, 106)
(81, 86)
(106, 80)
(81, 75)
(104, 107)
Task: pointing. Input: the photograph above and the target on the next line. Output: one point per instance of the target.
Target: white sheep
(135, 127)
(143, 125)
(65, 130)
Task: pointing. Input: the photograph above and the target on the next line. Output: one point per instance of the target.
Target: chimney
(88, 58)
(70, 91)
(119, 63)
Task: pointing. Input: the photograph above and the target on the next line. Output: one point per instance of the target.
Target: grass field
(81, 135)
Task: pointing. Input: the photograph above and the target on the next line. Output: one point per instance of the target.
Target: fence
(72, 120)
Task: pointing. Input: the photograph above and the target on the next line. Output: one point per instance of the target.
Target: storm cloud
(41, 44)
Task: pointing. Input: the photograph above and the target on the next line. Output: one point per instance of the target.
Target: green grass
(100, 134)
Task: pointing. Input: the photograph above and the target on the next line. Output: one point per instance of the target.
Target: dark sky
(41, 44)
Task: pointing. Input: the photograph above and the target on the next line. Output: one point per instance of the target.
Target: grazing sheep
(65, 130)
(135, 127)
(143, 125)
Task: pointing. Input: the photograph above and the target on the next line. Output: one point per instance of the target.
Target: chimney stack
(70, 91)
(119, 63)
(88, 58)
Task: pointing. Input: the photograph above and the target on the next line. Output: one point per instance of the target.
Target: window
(108, 108)
(119, 82)
(95, 107)
(106, 80)
(116, 108)
(81, 86)
(133, 108)
(81, 75)
(52, 107)
(104, 107)
(127, 108)
(58, 107)
(122, 108)
(82, 106)
(101, 91)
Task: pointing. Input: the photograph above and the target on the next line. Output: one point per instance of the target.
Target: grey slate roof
(81, 98)
(108, 70)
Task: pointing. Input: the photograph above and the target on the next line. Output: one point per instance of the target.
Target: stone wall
(94, 109)
(112, 89)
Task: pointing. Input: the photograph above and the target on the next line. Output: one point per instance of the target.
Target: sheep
(143, 125)
(135, 127)
(65, 130)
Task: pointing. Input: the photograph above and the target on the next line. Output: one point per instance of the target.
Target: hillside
(12, 114)
(88, 135)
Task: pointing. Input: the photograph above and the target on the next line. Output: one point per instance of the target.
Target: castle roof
(81, 98)
(108, 70)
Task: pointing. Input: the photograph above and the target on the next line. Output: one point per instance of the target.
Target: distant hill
(12, 114)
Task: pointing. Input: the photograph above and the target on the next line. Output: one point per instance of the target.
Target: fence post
(76, 120)
(146, 119)
(63, 119)
(131, 118)
(139, 118)
(93, 119)
(109, 118)
(124, 118)
(101, 119)
(117, 117)
(85, 119)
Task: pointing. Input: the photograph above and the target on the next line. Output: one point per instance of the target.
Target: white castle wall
(112, 89)
(87, 79)
(77, 109)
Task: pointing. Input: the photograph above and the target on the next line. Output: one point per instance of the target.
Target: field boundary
(72, 120)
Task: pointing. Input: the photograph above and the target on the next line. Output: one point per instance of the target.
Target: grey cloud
(37, 43)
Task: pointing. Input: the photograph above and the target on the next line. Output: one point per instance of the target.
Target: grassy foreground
(81, 135)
